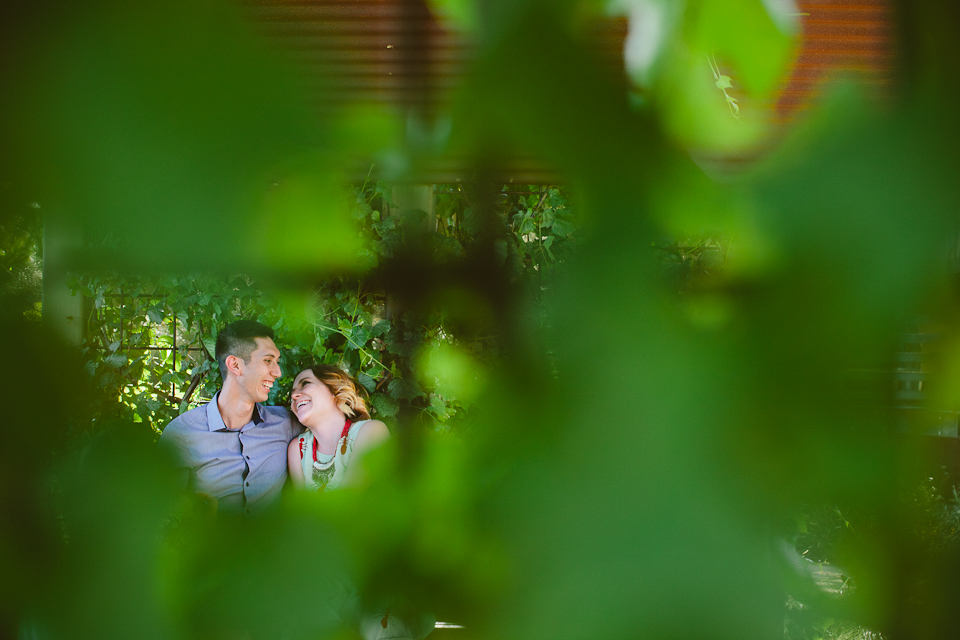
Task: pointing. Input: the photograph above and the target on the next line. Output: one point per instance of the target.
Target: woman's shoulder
(368, 432)
(368, 425)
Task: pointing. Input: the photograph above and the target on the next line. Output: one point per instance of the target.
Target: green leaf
(367, 381)
(115, 361)
(211, 345)
(438, 407)
(383, 405)
(563, 227)
(382, 327)
(361, 334)
(395, 388)
(548, 218)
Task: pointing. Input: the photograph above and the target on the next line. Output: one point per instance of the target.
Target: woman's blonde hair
(344, 390)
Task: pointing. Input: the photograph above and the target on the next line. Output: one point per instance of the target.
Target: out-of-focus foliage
(21, 251)
(693, 262)
(634, 482)
(679, 55)
(825, 534)
(460, 13)
(350, 321)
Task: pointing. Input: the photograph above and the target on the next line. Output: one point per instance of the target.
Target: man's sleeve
(295, 427)
(171, 442)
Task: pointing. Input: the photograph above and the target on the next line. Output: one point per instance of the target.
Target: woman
(327, 456)
(338, 429)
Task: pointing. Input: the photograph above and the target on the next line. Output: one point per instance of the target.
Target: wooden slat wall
(838, 38)
(392, 52)
(396, 53)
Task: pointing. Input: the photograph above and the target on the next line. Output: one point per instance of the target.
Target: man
(235, 448)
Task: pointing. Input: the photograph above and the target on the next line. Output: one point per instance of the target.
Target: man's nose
(278, 371)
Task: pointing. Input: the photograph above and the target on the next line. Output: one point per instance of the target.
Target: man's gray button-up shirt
(243, 469)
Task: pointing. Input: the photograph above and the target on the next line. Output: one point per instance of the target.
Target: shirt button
(247, 457)
(248, 484)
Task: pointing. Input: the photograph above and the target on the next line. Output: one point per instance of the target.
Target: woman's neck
(327, 429)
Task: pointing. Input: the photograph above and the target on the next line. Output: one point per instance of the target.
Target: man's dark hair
(239, 339)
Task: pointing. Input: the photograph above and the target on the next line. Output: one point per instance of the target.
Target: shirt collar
(215, 420)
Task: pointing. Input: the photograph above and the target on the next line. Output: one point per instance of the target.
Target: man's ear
(234, 365)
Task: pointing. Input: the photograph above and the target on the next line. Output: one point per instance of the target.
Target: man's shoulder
(276, 412)
(277, 416)
(280, 418)
(192, 420)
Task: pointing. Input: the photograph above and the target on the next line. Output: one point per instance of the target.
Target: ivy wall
(150, 341)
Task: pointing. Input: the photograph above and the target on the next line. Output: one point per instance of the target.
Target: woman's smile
(299, 405)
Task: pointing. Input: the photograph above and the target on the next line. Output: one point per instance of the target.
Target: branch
(194, 383)
(542, 198)
(350, 340)
(197, 377)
